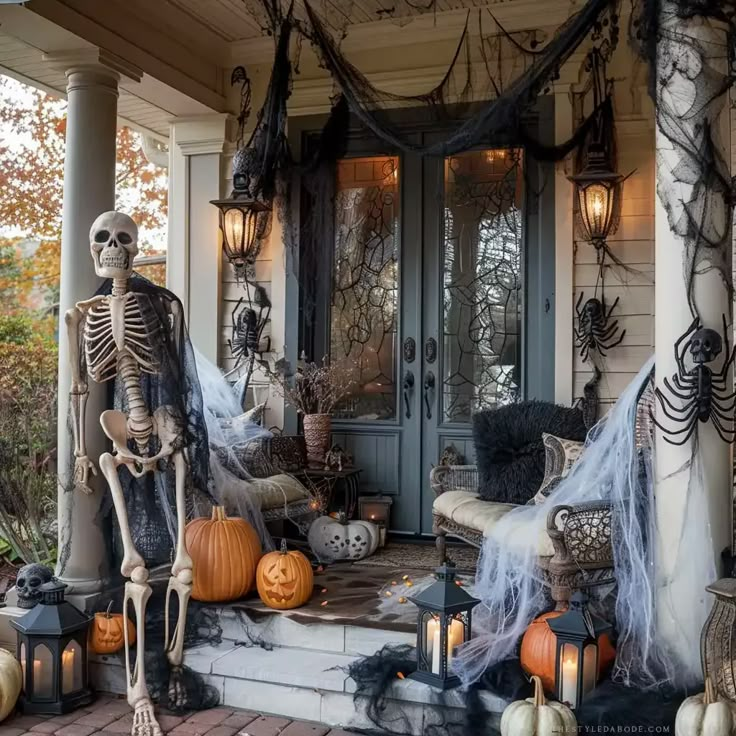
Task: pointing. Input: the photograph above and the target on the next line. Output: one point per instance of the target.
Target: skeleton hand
(82, 467)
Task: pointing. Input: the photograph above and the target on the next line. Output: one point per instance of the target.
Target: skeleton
(594, 333)
(118, 339)
(705, 393)
(28, 584)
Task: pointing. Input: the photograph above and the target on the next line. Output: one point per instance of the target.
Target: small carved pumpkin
(284, 579)
(339, 539)
(11, 682)
(225, 552)
(107, 635)
(537, 716)
(705, 715)
(539, 651)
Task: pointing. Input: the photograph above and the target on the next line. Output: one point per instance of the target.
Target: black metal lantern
(598, 191)
(444, 623)
(52, 651)
(576, 661)
(242, 222)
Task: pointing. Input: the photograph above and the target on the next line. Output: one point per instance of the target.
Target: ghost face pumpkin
(284, 579)
(340, 539)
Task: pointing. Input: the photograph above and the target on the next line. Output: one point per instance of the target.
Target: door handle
(408, 386)
(428, 386)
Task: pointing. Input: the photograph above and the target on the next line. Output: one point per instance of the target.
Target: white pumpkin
(339, 539)
(11, 682)
(537, 716)
(705, 715)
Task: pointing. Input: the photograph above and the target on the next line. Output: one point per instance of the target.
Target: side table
(325, 482)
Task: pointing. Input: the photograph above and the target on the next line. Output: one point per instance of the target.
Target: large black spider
(594, 333)
(249, 318)
(705, 393)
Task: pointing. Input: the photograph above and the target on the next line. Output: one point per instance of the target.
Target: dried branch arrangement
(315, 388)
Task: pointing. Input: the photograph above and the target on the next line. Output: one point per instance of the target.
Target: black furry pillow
(509, 449)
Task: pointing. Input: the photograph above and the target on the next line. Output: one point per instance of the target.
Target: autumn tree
(32, 140)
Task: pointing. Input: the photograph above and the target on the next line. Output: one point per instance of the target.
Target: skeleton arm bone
(78, 395)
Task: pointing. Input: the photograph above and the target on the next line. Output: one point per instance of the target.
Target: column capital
(202, 134)
(95, 65)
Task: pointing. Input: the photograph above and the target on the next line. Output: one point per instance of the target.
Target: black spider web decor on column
(482, 297)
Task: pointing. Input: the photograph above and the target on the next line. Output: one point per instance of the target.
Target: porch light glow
(241, 224)
(52, 651)
(598, 191)
(576, 662)
(444, 623)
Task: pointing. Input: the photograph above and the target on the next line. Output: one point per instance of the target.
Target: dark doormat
(420, 557)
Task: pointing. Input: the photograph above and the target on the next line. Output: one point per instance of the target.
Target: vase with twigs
(314, 390)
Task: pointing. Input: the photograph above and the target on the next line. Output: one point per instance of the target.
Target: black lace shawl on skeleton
(150, 498)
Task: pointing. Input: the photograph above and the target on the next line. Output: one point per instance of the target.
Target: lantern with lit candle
(242, 221)
(376, 509)
(444, 623)
(598, 191)
(576, 661)
(52, 651)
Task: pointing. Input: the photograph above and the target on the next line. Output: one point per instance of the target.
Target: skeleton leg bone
(137, 592)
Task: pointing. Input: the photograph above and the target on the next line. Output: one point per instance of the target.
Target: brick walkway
(110, 716)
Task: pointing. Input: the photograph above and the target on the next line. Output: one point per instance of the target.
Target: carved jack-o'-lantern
(107, 635)
(284, 579)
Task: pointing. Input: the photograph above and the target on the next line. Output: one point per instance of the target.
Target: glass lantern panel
(590, 668)
(430, 631)
(455, 637)
(234, 228)
(71, 668)
(43, 673)
(567, 686)
(598, 208)
(23, 662)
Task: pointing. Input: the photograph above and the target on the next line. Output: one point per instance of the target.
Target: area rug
(420, 557)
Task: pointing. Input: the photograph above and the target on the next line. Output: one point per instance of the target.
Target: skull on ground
(113, 241)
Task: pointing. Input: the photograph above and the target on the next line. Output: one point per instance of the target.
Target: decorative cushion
(278, 490)
(468, 510)
(509, 448)
(288, 453)
(249, 460)
(560, 455)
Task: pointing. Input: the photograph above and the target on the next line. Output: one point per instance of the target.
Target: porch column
(89, 189)
(683, 512)
(194, 259)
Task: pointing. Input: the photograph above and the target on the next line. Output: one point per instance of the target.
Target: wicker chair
(577, 551)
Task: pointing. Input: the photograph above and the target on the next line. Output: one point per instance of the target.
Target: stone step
(280, 630)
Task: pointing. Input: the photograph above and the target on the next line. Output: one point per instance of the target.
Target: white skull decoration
(113, 241)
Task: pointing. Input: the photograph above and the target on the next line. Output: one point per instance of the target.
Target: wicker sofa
(574, 553)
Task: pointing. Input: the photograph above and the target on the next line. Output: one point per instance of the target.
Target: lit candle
(67, 671)
(568, 693)
(454, 639)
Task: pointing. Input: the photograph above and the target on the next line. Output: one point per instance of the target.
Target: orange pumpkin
(539, 651)
(107, 635)
(285, 579)
(225, 552)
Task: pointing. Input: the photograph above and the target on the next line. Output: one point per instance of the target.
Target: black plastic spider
(594, 333)
(702, 391)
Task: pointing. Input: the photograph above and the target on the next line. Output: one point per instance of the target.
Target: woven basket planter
(317, 429)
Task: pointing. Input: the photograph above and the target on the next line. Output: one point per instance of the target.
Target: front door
(431, 309)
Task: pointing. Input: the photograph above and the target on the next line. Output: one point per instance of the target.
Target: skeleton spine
(140, 424)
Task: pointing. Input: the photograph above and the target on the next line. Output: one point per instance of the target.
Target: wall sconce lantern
(444, 622)
(576, 661)
(376, 509)
(242, 223)
(598, 191)
(52, 651)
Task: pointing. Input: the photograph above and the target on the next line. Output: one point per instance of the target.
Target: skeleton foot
(144, 721)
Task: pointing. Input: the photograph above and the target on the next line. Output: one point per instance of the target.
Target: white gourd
(11, 682)
(537, 716)
(705, 714)
(339, 539)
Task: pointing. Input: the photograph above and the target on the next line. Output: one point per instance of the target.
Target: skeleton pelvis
(164, 426)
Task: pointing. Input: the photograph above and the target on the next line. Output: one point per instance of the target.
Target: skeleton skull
(113, 241)
(705, 345)
(28, 584)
